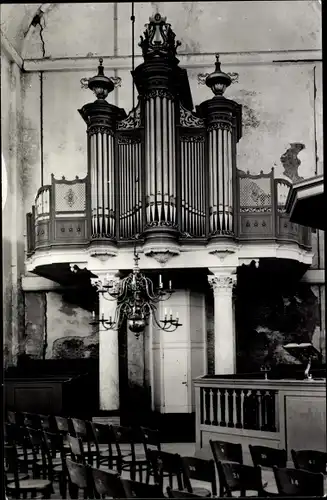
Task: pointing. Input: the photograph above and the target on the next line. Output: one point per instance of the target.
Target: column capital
(222, 281)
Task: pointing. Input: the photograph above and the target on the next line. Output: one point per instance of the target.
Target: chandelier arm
(149, 290)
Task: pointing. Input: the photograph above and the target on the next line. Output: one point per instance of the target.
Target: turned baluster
(207, 406)
(201, 406)
(215, 406)
(246, 412)
(255, 409)
(271, 411)
(239, 403)
(222, 408)
(230, 402)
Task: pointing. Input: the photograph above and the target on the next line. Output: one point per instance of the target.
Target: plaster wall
(69, 333)
(13, 242)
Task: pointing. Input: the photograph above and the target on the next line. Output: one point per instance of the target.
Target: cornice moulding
(186, 60)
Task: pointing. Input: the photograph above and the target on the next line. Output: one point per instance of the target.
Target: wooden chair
(11, 417)
(298, 482)
(234, 477)
(181, 494)
(130, 461)
(83, 431)
(24, 485)
(103, 434)
(141, 490)
(38, 459)
(151, 441)
(56, 465)
(32, 421)
(107, 483)
(79, 479)
(310, 460)
(170, 463)
(222, 450)
(64, 427)
(200, 470)
(268, 457)
(76, 449)
(47, 423)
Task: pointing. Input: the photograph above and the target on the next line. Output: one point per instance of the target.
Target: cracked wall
(56, 329)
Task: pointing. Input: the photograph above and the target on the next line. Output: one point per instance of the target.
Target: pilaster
(108, 349)
(222, 282)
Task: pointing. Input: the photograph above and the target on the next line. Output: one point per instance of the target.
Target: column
(108, 352)
(222, 282)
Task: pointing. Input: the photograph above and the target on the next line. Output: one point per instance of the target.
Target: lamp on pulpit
(305, 353)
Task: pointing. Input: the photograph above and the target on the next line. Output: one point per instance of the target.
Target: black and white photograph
(163, 250)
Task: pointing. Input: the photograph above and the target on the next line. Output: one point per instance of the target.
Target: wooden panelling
(305, 416)
(256, 225)
(70, 229)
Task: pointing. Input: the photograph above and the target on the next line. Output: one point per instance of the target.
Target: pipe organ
(164, 171)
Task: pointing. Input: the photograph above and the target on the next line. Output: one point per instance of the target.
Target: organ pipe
(160, 171)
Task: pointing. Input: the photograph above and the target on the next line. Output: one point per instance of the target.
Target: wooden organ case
(163, 172)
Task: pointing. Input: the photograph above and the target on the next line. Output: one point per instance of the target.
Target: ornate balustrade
(260, 412)
(62, 214)
(261, 210)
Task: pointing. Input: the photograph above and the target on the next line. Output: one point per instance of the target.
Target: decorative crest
(159, 39)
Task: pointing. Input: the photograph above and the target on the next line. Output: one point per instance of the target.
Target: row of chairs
(309, 460)
(78, 442)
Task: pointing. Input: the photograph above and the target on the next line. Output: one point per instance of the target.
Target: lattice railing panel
(70, 197)
(255, 194)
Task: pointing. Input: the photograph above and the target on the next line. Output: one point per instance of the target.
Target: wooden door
(175, 380)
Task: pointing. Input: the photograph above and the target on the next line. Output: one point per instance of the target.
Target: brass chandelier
(136, 299)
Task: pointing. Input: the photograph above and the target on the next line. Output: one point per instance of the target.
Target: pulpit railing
(62, 214)
(257, 411)
(242, 408)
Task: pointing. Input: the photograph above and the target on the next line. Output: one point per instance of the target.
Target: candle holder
(266, 368)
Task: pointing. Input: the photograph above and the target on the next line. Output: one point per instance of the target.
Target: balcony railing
(61, 215)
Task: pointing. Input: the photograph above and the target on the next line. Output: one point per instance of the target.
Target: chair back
(37, 445)
(230, 452)
(76, 448)
(181, 494)
(108, 483)
(11, 463)
(268, 457)
(124, 435)
(47, 423)
(298, 482)
(310, 460)
(62, 424)
(78, 474)
(234, 476)
(200, 470)
(150, 439)
(9, 433)
(32, 420)
(79, 427)
(141, 490)
(11, 417)
(164, 462)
